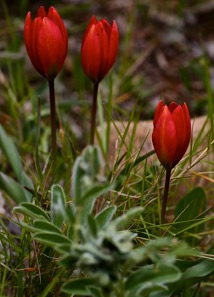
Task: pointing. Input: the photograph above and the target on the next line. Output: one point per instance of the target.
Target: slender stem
(53, 120)
(165, 195)
(93, 112)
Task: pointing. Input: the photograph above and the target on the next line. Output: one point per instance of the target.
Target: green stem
(53, 120)
(93, 112)
(165, 195)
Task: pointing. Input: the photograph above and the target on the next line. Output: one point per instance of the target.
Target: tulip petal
(93, 21)
(172, 106)
(180, 124)
(91, 53)
(28, 27)
(41, 12)
(104, 50)
(99, 48)
(164, 138)
(113, 45)
(183, 127)
(187, 124)
(188, 120)
(46, 41)
(35, 59)
(158, 112)
(55, 17)
(107, 27)
(49, 48)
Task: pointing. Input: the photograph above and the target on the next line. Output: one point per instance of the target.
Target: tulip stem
(93, 113)
(165, 195)
(53, 120)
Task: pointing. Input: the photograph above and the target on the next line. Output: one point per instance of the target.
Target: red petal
(55, 17)
(49, 48)
(188, 120)
(41, 12)
(92, 21)
(164, 138)
(113, 45)
(104, 50)
(188, 124)
(158, 112)
(107, 27)
(35, 59)
(28, 27)
(172, 106)
(91, 53)
(180, 124)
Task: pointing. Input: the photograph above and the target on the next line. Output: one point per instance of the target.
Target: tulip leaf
(10, 151)
(13, 189)
(192, 275)
(189, 208)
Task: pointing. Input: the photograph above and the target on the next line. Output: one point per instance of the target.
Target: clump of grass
(91, 226)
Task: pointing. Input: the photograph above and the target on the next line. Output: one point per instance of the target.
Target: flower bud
(46, 41)
(172, 132)
(99, 48)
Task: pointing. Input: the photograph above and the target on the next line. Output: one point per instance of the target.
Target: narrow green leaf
(150, 278)
(199, 270)
(76, 178)
(189, 208)
(86, 176)
(127, 218)
(96, 192)
(10, 151)
(78, 286)
(95, 292)
(13, 189)
(57, 205)
(193, 275)
(92, 225)
(31, 210)
(105, 216)
(51, 238)
(12, 243)
(46, 226)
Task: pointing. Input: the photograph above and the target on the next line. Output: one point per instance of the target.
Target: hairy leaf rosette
(172, 132)
(99, 48)
(46, 41)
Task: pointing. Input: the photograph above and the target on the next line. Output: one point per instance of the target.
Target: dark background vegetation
(161, 48)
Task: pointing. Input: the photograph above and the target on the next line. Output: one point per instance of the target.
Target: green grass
(35, 264)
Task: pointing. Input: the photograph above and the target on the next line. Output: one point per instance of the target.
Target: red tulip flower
(46, 41)
(98, 53)
(171, 134)
(99, 48)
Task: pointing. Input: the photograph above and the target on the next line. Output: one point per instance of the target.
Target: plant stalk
(93, 113)
(53, 120)
(165, 195)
